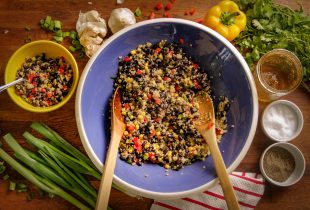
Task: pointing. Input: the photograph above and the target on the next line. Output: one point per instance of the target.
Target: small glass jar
(277, 73)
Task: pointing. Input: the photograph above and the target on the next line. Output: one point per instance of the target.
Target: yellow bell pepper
(226, 19)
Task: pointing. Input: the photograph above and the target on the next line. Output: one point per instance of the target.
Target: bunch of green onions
(55, 167)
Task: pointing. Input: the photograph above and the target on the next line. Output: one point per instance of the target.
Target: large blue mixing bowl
(231, 77)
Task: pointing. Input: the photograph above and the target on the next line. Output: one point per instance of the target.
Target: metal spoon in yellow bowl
(206, 127)
(6, 86)
(118, 128)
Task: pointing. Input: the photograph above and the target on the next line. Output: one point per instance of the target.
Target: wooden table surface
(16, 14)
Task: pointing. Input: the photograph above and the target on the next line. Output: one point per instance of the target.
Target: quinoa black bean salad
(158, 85)
(47, 80)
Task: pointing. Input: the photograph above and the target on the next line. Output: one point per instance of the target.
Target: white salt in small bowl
(282, 121)
(299, 169)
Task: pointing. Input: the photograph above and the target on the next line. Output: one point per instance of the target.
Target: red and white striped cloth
(249, 188)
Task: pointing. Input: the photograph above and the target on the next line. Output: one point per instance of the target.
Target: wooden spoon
(206, 127)
(118, 128)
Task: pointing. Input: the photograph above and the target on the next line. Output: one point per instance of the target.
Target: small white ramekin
(299, 165)
(298, 115)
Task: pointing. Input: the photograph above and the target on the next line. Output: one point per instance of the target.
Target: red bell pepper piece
(168, 6)
(157, 101)
(151, 156)
(137, 144)
(139, 72)
(159, 6)
(192, 11)
(127, 59)
(152, 15)
(130, 128)
(126, 106)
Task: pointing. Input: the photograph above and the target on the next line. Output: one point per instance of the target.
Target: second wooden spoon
(206, 127)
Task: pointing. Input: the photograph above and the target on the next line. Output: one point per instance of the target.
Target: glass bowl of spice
(282, 121)
(282, 164)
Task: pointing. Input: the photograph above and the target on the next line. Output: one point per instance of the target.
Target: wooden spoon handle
(221, 171)
(108, 171)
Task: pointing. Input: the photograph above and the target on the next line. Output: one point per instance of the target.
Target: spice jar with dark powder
(279, 164)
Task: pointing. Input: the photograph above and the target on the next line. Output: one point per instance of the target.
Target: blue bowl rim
(129, 187)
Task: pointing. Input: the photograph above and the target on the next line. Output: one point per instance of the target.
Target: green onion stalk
(40, 181)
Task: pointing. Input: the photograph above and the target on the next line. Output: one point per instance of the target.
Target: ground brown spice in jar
(278, 163)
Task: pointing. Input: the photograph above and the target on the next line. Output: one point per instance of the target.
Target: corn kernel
(130, 150)
(169, 154)
(140, 117)
(167, 166)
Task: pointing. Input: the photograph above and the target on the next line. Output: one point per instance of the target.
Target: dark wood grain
(16, 14)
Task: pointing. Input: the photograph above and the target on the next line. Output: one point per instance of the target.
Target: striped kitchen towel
(249, 188)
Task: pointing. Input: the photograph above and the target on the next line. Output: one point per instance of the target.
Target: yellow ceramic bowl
(51, 49)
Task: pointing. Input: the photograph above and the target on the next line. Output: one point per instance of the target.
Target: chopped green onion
(51, 26)
(65, 34)
(78, 46)
(57, 25)
(48, 20)
(12, 185)
(6, 177)
(72, 49)
(58, 33)
(73, 35)
(74, 41)
(81, 54)
(138, 12)
(21, 186)
(58, 38)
